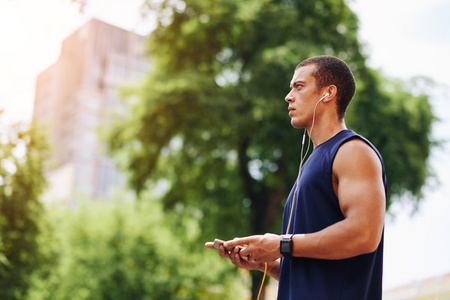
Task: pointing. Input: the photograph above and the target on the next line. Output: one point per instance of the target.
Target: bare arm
(358, 184)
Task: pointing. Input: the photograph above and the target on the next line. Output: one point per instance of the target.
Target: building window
(90, 102)
(86, 120)
(84, 171)
(84, 136)
(118, 71)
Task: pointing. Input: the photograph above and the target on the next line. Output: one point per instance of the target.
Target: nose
(289, 97)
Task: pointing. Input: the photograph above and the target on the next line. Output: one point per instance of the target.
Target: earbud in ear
(326, 95)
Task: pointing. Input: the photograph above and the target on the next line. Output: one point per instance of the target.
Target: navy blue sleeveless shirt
(317, 207)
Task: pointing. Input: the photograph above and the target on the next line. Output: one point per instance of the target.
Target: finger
(236, 242)
(223, 252)
(234, 252)
(209, 245)
(237, 260)
(251, 258)
(244, 252)
(245, 262)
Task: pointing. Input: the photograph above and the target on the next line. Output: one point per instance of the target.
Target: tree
(22, 156)
(212, 120)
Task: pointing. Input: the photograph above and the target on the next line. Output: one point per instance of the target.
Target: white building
(436, 288)
(73, 98)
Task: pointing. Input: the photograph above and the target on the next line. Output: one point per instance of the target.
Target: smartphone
(218, 242)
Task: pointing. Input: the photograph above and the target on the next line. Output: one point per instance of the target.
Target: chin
(296, 124)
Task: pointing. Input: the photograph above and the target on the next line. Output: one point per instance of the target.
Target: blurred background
(132, 132)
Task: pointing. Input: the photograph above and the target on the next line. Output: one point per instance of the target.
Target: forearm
(339, 241)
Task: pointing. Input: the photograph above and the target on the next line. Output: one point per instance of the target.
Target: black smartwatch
(286, 245)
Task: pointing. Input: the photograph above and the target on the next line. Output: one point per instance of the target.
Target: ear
(332, 93)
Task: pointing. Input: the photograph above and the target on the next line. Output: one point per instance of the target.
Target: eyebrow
(295, 82)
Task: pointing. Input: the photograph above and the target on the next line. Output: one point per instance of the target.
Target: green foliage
(130, 251)
(212, 120)
(22, 155)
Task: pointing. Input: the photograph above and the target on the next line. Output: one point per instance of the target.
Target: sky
(402, 39)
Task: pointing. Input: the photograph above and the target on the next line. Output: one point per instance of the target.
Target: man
(332, 242)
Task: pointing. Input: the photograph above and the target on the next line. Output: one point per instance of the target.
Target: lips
(291, 109)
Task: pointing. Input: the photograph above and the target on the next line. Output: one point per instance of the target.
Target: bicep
(358, 172)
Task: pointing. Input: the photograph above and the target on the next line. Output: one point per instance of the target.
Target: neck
(323, 131)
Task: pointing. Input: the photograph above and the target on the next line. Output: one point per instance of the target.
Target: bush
(129, 251)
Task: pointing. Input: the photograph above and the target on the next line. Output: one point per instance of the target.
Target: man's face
(302, 97)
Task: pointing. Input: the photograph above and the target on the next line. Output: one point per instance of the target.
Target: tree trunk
(265, 208)
(256, 285)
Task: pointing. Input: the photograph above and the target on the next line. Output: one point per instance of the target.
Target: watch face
(285, 246)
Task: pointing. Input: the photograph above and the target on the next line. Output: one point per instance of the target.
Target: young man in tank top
(331, 246)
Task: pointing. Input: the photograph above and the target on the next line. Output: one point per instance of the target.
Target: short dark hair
(332, 70)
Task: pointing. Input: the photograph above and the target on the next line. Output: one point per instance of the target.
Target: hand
(237, 259)
(258, 248)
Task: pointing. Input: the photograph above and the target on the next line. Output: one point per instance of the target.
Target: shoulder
(356, 145)
(356, 155)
